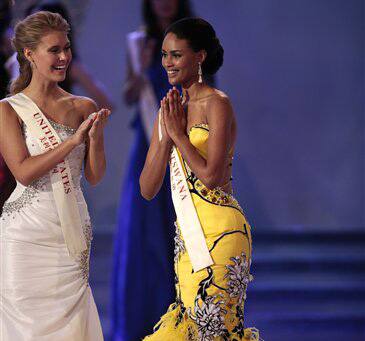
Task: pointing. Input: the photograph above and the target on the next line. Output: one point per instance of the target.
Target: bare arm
(95, 161)
(220, 117)
(24, 167)
(154, 169)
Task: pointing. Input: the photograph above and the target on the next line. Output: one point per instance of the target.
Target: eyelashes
(67, 48)
(175, 55)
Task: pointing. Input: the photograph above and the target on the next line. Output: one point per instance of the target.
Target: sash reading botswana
(187, 216)
(60, 176)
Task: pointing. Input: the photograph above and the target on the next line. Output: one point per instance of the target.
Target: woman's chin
(173, 82)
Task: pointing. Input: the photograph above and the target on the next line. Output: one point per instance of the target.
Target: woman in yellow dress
(201, 125)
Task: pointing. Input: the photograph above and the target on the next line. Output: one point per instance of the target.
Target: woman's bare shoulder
(8, 114)
(81, 105)
(6, 109)
(218, 103)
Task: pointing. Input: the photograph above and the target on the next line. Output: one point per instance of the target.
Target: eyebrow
(57, 46)
(172, 51)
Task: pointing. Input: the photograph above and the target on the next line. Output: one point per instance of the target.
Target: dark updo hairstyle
(200, 36)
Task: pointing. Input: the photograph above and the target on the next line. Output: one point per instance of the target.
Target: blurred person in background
(141, 291)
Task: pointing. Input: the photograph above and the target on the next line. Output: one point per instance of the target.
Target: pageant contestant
(77, 74)
(143, 235)
(46, 137)
(196, 136)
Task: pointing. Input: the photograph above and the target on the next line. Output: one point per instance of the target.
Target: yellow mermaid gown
(210, 303)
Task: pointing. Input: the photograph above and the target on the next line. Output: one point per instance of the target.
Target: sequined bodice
(31, 215)
(75, 158)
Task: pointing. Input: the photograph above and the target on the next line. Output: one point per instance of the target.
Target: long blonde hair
(28, 34)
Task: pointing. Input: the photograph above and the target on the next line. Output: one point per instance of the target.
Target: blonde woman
(47, 136)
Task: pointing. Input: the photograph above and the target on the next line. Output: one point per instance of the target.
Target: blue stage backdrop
(294, 70)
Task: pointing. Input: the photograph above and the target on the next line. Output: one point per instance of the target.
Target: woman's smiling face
(179, 60)
(52, 56)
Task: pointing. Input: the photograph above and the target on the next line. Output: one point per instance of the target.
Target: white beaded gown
(44, 291)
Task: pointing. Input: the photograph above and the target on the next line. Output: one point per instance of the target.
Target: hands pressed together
(92, 127)
(173, 122)
(173, 116)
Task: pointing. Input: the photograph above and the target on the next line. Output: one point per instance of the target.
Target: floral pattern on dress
(210, 311)
(216, 307)
(238, 277)
(239, 329)
(179, 243)
(209, 317)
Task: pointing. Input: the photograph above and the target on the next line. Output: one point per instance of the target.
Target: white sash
(147, 102)
(187, 216)
(61, 177)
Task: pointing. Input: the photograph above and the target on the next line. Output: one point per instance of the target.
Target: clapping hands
(92, 127)
(100, 119)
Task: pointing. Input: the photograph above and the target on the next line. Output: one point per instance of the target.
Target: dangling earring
(200, 73)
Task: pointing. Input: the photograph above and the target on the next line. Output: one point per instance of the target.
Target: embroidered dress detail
(204, 126)
(179, 243)
(209, 304)
(17, 205)
(63, 128)
(213, 317)
(61, 179)
(238, 277)
(84, 260)
(215, 196)
(44, 291)
(30, 192)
